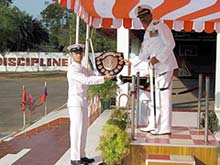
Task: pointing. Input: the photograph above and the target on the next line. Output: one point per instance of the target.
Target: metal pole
(45, 103)
(133, 92)
(45, 108)
(137, 99)
(93, 54)
(24, 119)
(199, 101)
(154, 98)
(77, 29)
(70, 34)
(207, 89)
(87, 46)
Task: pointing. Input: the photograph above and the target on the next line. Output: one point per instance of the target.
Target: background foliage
(53, 31)
(106, 90)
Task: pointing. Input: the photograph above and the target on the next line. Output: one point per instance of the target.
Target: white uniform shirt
(158, 42)
(79, 78)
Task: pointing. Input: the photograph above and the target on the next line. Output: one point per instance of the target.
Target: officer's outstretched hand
(127, 62)
(109, 77)
(154, 60)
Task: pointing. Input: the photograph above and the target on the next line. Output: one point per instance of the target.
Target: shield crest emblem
(110, 63)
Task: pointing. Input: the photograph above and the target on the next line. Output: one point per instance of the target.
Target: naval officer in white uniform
(79, 78)
(157, 46)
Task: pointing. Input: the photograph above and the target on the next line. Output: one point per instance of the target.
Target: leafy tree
(19, 31)
(30, 33)
(104, 40)
(57, 21)
(6, 28)
(61, 24)
(5, 2)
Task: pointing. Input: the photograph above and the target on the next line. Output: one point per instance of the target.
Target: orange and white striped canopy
(177, 14)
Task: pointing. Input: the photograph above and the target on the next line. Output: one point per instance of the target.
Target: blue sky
(32, 7)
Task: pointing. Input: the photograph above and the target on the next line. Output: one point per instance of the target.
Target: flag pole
(24, 119)
(45, 103)
(45, 107)
(23, 105)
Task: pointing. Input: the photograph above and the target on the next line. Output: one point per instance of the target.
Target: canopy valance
(177, 14)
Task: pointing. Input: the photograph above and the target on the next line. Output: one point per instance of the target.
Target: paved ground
(11, 118)
(189, 100)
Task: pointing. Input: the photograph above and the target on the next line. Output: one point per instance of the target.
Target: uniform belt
(162, 73)
(163, 89)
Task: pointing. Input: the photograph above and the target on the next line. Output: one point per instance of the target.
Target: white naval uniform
(159, 42)
(79, 78)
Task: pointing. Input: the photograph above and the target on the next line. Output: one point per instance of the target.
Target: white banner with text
(33, 61)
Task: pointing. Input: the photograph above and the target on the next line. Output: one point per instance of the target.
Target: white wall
(123, 46)
(217, 75)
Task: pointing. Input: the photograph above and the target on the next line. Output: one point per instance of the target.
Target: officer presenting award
(110, 63)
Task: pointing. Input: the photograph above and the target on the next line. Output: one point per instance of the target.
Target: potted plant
(119, 117)
(212, 121)
(105, 91)
(114, 141)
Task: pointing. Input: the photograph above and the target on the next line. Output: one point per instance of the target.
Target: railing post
(199, 101)
(207, 90)
(137, 99)
(133, 93)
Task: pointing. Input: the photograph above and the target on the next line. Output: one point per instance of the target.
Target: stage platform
(183, 142)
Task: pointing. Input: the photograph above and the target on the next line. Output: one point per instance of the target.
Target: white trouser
(144, 101)
(78, 131)
(163, 104)
(143, 112)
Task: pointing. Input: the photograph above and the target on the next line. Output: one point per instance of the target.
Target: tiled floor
(180, 136)
(47, 144)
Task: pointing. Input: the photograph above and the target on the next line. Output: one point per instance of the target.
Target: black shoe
(78, 162)
(87, 160)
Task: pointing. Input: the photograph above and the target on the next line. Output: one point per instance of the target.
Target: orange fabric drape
(168, 6)
(106, 23)
(127, 23)
(209, 27)
(63, 3)
(123, 12)
(188, 26)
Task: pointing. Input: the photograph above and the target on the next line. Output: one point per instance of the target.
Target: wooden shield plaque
(110, 63)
